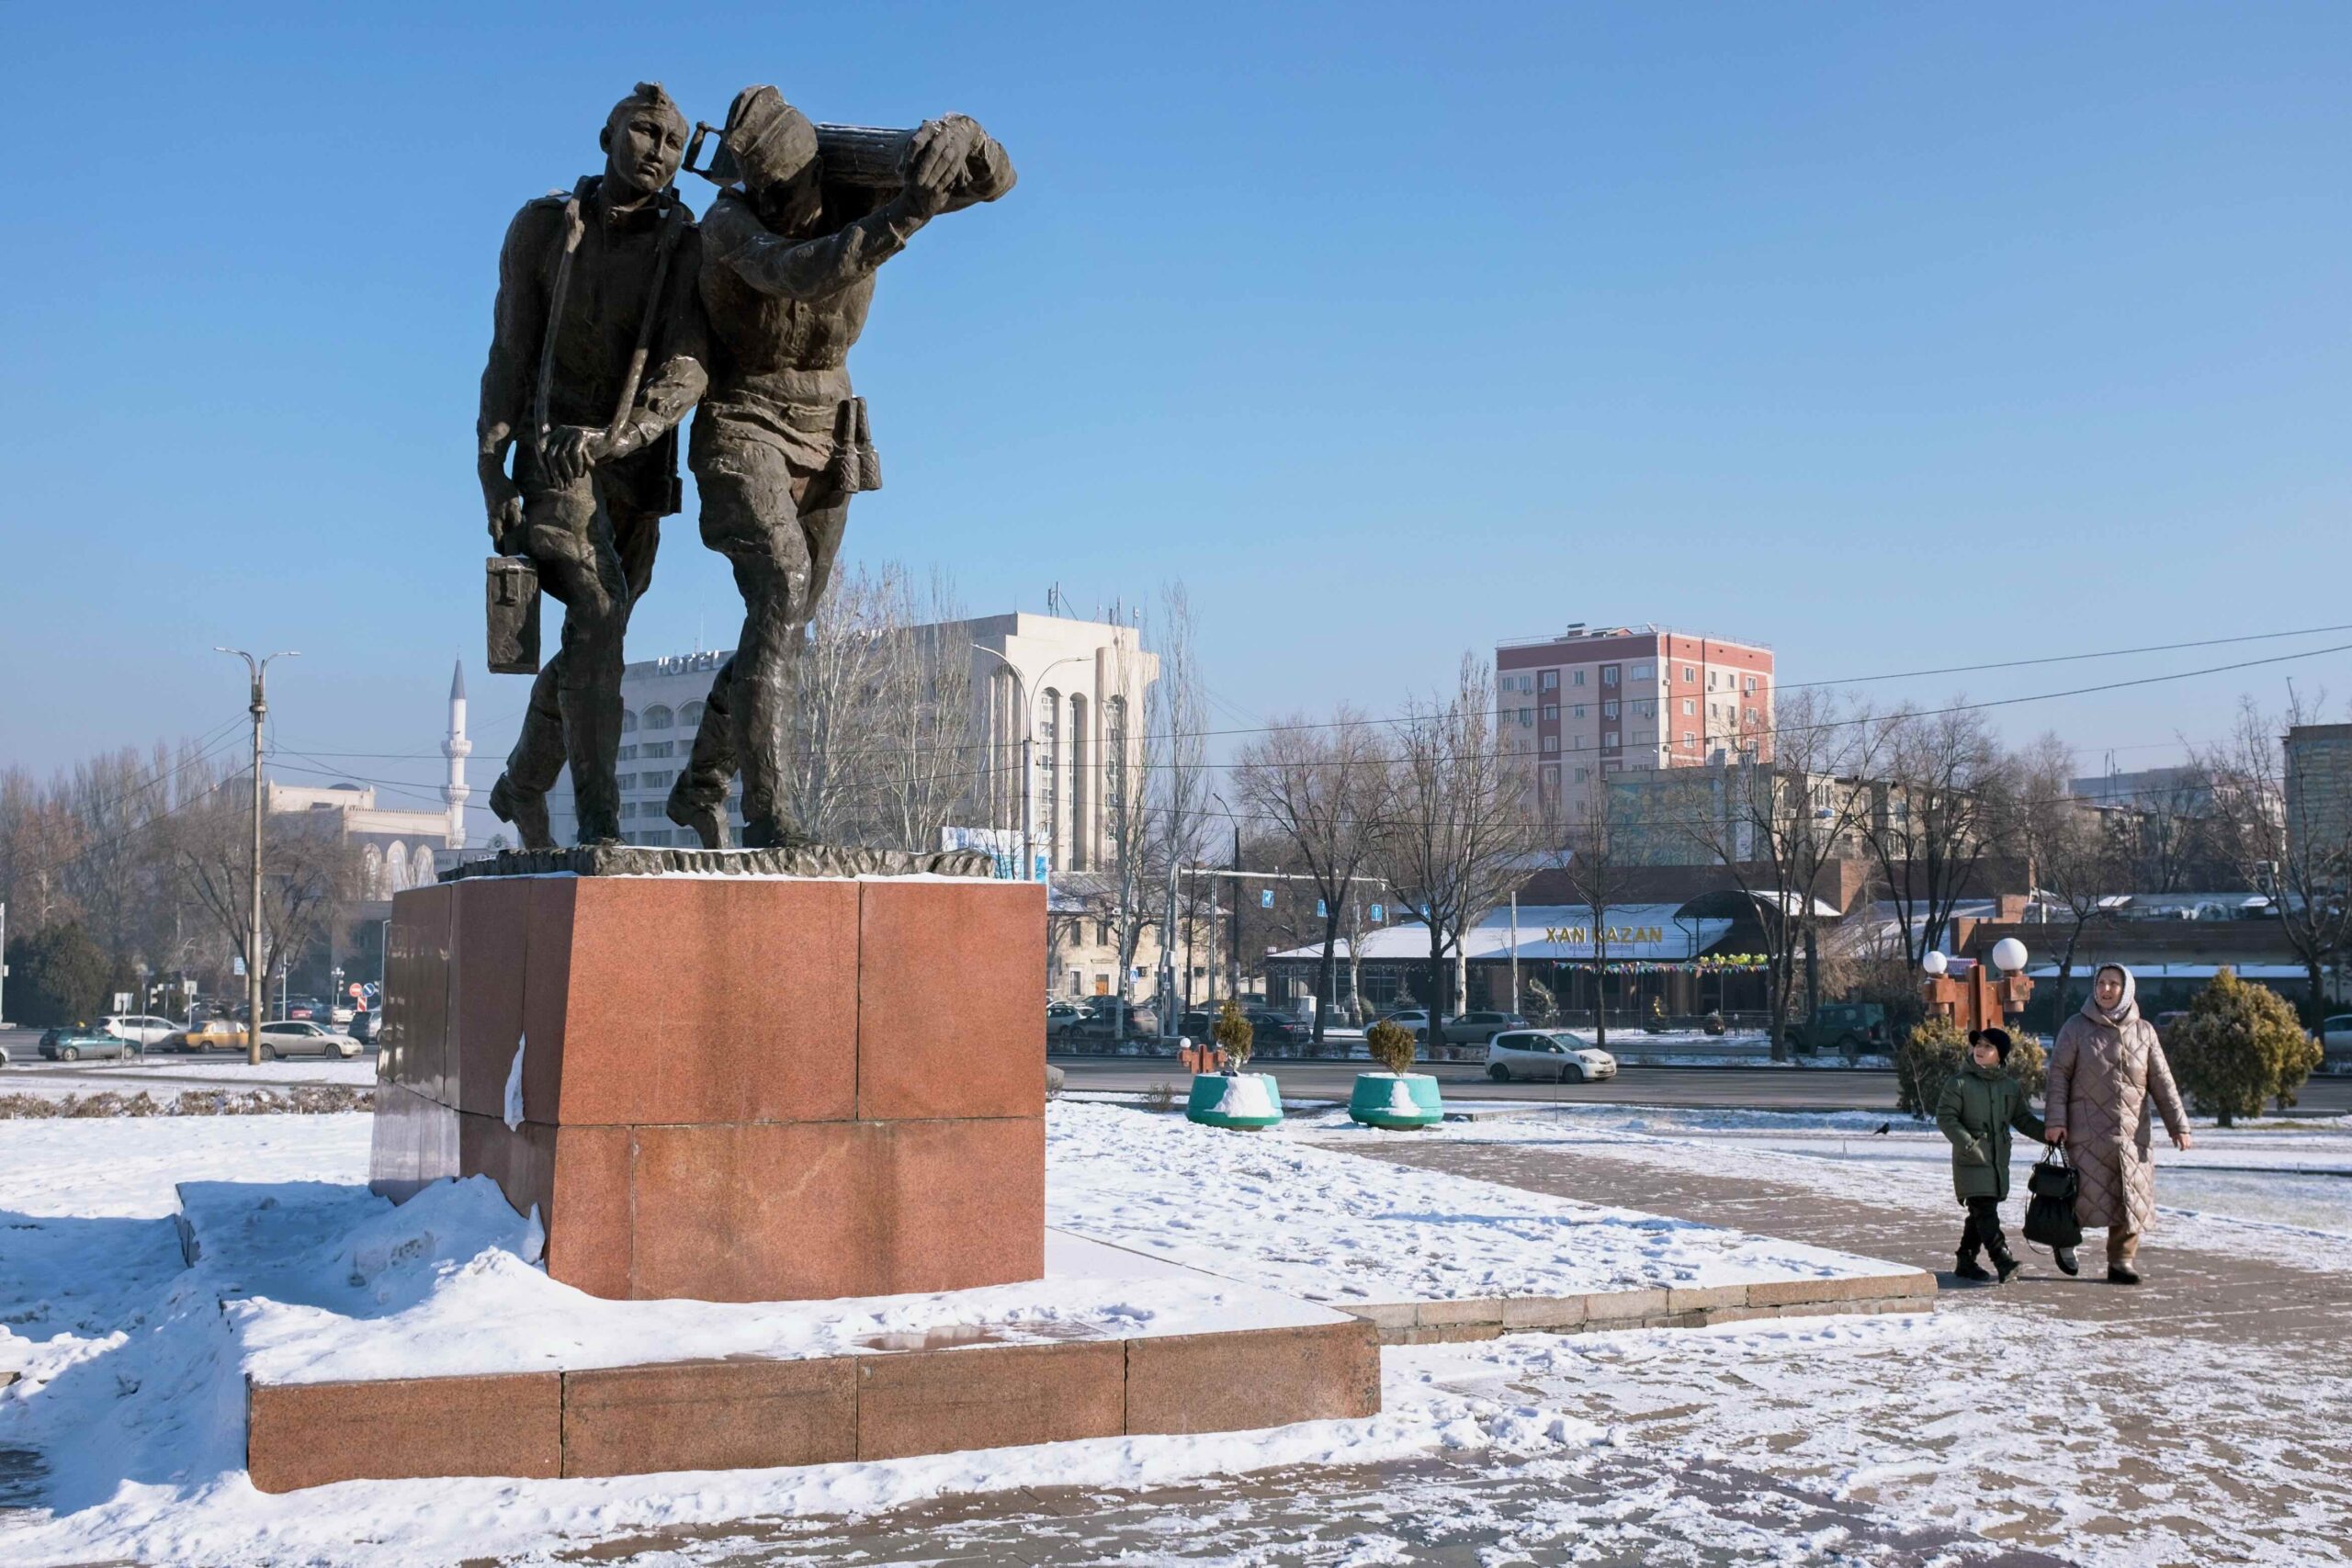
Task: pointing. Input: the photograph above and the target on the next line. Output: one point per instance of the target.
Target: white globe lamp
(1935, 964)
(2009, 955)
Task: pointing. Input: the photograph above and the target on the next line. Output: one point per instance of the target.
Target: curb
(1674, 1306)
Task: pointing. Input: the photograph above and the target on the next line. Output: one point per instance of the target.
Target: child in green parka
(1980, 1105)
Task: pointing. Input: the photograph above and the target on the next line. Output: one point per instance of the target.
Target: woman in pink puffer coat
(2105, 1070)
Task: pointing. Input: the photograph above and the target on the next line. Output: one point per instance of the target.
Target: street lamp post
(1028, 741)
(256, 983)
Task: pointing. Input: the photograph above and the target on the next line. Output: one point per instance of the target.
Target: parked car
(1062, 1018)
(1198, 1026)
(2335, 1039)
(141, 1029)
(1268, 1028)
(300, 1006)
(1416, 1020)
(1546, 1053)
(212, 1034)
(365, 1024)
(74, 1041)
(1103, 1015)
(339, 1015)
(1478, 1027)
(301, 1037)
(1854, 1028)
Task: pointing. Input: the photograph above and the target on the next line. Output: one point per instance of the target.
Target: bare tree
(1935, 810)
(2172, 831)
(1776, 827)
(1177, 706)
(1328, 790)
(833, 763)
(922, 719)
(2281, 822)
(310, 873)
(2082, 866)
(1458, 839)
(1598, 871)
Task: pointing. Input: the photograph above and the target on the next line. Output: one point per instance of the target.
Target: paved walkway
(2232, 1300)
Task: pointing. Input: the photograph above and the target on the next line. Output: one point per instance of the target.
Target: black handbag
(2049, 1218)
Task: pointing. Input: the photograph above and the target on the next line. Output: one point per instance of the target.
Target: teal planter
(1255, 1101)
(1375, 1103)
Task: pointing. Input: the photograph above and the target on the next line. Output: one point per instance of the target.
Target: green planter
(1245, 1102)
(1376, 1102)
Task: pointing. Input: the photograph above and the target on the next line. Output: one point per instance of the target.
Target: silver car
(1546, 1053)
(301, 1037)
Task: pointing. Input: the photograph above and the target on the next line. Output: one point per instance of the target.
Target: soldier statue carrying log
(790, 246)
(615, 312)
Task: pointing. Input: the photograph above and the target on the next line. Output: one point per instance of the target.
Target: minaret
(456, 749)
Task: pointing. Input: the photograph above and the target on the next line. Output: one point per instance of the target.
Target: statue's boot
(592, 734)
(526, 810)
(688, 808)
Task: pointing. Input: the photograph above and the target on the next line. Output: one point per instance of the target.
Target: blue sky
(1893, 336)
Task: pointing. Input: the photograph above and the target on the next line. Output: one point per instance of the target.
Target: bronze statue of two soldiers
(617, 313)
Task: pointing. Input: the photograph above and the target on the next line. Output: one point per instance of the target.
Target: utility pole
(256, 983)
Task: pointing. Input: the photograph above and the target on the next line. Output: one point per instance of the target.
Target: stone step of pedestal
(748, 1413)
(1489, 1317)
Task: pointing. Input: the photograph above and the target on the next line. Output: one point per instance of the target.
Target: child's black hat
(1996, 1038)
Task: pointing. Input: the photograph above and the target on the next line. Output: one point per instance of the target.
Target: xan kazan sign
(1580, 936)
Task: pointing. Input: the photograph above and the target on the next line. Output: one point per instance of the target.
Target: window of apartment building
(1750, 685)
(627, 754)
(1691, 737)
(1642, 673)
(1527, 715)
(1609, 738)
(1609, 675)
(1647, 707)
(1551, 743)
(1583, 773)
(657, 749)
(1689, 672)
(1551, 713)
(1551, 680)
(1580, 680)
(1754, 716)
(1102, 933)
(1581, 710)
(1689, 707)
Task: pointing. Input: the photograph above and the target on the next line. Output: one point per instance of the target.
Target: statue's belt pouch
(512, 603)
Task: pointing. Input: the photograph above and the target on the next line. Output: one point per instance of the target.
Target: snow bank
(1315, 1221)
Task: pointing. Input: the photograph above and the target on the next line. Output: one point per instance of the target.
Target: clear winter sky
(1891, 335)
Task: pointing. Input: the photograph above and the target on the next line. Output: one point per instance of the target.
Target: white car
(301, 1037)
(1414, 1022)
(1546, 1053)
(2336, 1038)
(141, 1029)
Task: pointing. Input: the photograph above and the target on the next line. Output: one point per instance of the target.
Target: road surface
(1760, 1088)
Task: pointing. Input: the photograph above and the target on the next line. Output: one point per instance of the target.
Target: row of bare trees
(147, 857)
(1437, 811)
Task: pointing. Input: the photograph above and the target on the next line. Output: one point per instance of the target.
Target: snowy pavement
(168, 1073)
(2193, 1419)
(2040, 1423)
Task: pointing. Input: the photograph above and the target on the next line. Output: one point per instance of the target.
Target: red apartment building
(1595, 701)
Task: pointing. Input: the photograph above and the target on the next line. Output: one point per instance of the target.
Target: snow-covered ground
(165, 1076)
(2280, 1190)
(2109, 1443)
(1279, 1212)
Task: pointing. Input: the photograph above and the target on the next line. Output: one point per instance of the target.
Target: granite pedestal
(730, 1088)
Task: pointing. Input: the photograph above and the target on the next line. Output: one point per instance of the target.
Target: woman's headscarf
(2123, 1012)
